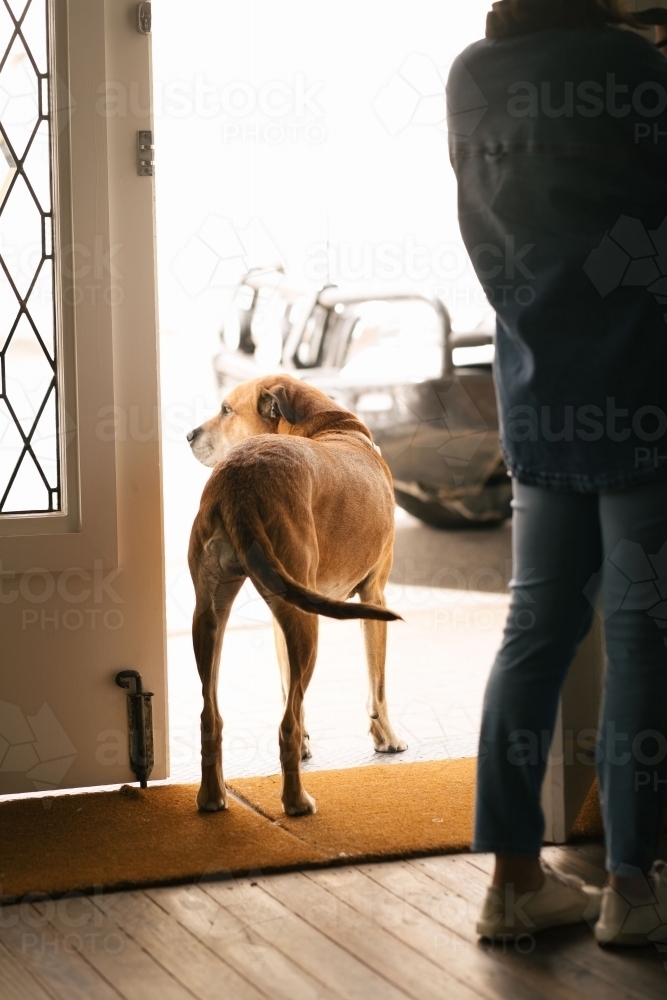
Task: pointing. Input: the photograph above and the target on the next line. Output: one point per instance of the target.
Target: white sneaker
(632, 922)
(561, 899)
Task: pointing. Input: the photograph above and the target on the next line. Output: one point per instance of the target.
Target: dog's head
(270, 405)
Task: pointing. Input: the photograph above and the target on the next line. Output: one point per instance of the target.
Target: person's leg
(556, 549)
(633, 748)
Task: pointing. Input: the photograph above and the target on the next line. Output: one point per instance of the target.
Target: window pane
(29, 465)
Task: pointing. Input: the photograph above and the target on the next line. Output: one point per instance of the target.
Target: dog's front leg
(208, 628)
(300, 635)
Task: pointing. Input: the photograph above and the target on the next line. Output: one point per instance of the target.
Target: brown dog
(302, 503)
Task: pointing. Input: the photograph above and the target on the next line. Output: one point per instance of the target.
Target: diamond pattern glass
(29, 452)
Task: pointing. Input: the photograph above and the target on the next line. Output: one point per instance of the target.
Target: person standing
(558, 138)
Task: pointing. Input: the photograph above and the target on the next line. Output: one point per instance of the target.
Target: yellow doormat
(380, 811)
(135, 837)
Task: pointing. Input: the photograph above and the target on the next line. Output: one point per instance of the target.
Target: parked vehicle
(425, 391)
(259, 317)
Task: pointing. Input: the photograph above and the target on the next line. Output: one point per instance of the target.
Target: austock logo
(634, 581)
(219, 254)
(34, 745)
(416, 95)
(630, 256)
(455, 434)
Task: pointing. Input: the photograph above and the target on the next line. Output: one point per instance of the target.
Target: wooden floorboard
(396, 911)
(394, 931)
(315, 953)
(230, 937)
(52, 959)
(118, 960)
(183, 955)
(16, 982)
(361, 936)
(442, 918)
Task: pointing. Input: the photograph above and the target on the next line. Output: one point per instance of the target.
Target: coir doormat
(134, 837)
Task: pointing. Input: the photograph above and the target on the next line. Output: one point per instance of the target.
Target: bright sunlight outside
(311, 136)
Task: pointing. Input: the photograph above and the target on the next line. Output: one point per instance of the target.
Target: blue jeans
(566, 546)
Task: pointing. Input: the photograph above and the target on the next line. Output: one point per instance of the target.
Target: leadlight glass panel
(30, 472)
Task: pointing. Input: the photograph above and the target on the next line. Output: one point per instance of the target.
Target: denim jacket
(559, 142)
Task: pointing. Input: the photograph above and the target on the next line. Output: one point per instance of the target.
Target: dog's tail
(254, 548)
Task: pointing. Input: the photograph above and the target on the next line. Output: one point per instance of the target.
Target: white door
(81, 564)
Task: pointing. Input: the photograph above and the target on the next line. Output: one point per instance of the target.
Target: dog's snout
(191, 435)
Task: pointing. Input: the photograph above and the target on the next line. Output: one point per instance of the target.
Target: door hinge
(145, 148)
(144, 18)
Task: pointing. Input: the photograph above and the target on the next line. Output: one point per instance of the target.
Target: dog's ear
(275, 404)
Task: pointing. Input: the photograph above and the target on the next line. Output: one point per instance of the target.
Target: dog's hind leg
(298, 631)
(375, 640)
(216, 586)
(283, 660)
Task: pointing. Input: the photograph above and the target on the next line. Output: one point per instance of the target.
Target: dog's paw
(304, 806)
(385, 739)
(211, 802)
(391, 746)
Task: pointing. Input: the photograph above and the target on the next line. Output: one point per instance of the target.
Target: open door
(81, 564)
